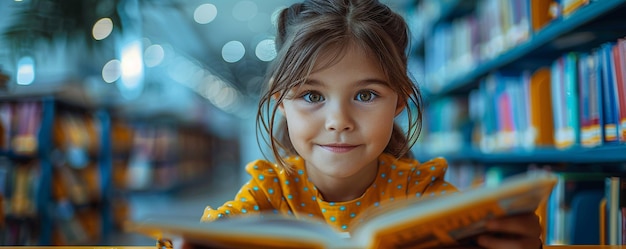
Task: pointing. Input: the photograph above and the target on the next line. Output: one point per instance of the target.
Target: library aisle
(188, 202)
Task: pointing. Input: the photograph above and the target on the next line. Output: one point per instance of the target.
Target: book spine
(540, 14)
(558, 103)
(612, 205)
(596, 98)
(490, 119)
(570, 6)
(505, 111)
(525, 103)
(610, 95)
(619, 53)
(570, 87)
(583, 104)
(542, 121)
(622, 210)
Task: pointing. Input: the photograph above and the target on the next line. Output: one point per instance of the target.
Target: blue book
(584, 100)
(610, 98)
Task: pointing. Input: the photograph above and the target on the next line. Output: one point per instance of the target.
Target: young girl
(337, 84)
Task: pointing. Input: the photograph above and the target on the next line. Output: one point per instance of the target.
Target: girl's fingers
(525, 225)
(497, 242)
(515, 232)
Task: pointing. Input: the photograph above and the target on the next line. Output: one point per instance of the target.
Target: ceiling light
(25, 71)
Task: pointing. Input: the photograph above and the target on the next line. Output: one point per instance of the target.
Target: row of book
(447, 126)
(580, 100)
(600, 79)
(587, 208)
(90, 181)
(164, 157)
(454, 48)
(70, 208)
(75, 214)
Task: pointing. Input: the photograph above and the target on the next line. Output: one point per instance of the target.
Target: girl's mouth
(338, 148)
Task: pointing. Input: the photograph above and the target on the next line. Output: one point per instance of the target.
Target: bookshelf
(601, 13)
(67, 199)
(77, 180)
(165, 157)
(67, 187)
(509, 90)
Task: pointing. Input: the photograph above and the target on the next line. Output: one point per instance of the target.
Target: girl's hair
(309, 29)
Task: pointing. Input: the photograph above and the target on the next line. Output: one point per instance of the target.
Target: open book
(448, 220)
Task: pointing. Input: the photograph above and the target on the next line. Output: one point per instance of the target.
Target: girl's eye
(313, 97)
(365, 96)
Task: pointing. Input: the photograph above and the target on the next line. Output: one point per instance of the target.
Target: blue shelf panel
(542, 38)
(44, 193)
(575, 155)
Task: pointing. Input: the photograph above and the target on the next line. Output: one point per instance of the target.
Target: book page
(454, 219)
(267, 231)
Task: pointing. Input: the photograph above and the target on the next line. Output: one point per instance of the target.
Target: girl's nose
(339, 118)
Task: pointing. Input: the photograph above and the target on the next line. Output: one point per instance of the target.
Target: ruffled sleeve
(427, 179)
(254, 197)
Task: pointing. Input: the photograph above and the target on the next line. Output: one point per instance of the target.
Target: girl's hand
(513, 232)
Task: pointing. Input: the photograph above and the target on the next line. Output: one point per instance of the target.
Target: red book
(619, 52)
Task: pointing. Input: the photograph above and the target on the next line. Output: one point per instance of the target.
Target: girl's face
(341, 119)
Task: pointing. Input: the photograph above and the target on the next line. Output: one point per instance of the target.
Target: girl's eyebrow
(370, 81)
(373, 81)
(313, 82)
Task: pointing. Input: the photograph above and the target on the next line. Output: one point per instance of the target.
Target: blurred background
(120, 110)
(116, 110)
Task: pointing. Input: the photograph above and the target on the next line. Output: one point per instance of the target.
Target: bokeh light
(102, 28)
(266, 50)
(233, 51)
(111, 71)
(25, 71)
(205, 13)
(153, 55)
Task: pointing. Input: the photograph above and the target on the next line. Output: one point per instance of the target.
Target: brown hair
(308, 29)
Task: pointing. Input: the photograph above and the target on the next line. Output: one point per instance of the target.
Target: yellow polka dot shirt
(274, 190)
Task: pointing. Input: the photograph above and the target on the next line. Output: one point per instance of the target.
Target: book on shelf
(613, 224)
(619, 56)
(446, 220)
(570, 6)
(610, 101)
(565, 100)
(584, 100)
(541, 122)
(540, 15)
(575, 197)
(592, 82)
(590, 101)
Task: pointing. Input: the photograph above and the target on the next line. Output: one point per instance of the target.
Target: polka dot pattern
(277, 191)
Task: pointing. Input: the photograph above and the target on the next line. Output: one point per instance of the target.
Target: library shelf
(537, 43)
(576, 155)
